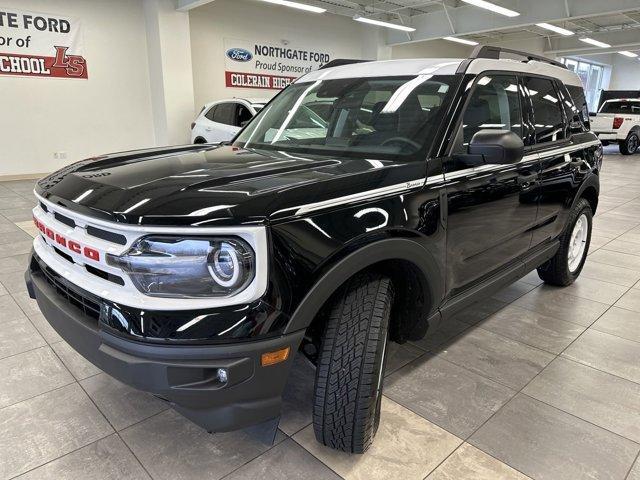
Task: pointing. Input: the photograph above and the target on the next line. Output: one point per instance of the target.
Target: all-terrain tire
(556, 271)
(630, 145)
(350, 367)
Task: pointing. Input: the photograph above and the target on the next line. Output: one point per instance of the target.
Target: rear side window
(632, 108)
(494, 104)
(210, 114)
(547, 111)
(225, 113)
(580, 101)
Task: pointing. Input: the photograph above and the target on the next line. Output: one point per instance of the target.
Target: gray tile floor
(536, 382)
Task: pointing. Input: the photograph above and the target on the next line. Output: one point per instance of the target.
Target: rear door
(491, 208)
(561, 157)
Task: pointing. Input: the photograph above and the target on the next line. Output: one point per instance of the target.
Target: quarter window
(494, 104)
(547, 113)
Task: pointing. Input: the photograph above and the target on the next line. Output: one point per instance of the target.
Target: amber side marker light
(271, 358)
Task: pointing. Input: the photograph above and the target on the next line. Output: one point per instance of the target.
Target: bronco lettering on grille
(72, 245)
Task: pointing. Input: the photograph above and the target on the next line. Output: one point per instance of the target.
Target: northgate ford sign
(263, 66)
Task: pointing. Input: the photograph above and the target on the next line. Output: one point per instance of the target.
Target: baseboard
(26, 176)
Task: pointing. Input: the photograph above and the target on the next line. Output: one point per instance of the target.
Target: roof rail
(492, 52)
(489, 51)
(338, 62)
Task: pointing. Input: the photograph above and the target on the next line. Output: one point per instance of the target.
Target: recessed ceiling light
(460, 40)
(628, 54)
(494, 8)
(553, 28)
(597, 43)
(380, 23)
(299, 6)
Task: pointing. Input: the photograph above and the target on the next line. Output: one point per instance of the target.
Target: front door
(491, 208)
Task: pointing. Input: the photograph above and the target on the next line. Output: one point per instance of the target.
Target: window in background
(591, 76)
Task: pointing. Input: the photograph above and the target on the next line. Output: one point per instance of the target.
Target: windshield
(362, 117)
(632, 108)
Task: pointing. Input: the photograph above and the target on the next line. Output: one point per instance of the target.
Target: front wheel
(350, 368)
(630, 145)
(565, 266)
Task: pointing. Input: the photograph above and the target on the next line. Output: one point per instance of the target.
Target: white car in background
(221, 120)
(618, 120)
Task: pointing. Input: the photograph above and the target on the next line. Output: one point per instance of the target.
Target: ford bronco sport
(198, 272)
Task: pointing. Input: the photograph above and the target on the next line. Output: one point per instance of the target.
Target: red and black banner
(59, 66)
(36, 44)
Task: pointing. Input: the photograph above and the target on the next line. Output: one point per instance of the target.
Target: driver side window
(494, 104)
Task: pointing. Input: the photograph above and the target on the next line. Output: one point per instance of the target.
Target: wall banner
(41, 45)
(265, 66)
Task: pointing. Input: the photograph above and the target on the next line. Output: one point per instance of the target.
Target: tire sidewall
(381, 365)
(586, 210)
(624, 146)
(637, 139)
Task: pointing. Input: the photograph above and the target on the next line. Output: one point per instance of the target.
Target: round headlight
(226, 268)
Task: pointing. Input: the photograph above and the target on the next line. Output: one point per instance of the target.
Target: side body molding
(381, 250)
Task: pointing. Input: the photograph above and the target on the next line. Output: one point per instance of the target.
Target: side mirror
(592, 114)
(497, 146)
(244, 124)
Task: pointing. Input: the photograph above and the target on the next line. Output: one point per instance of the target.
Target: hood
(208, 185)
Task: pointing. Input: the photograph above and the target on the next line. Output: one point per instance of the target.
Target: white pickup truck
(618, 120)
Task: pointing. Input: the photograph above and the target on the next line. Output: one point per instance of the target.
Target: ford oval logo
(239, 54)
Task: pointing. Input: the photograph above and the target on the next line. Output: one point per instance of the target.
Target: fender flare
(591, 181)
(386, 249)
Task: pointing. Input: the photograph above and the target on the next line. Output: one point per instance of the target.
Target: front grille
(66, 220)
(106, 235)
(84, 304)
(104, 275)
(110, 277)
(63, 255)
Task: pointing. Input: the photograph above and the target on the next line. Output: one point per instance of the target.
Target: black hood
(205, 185)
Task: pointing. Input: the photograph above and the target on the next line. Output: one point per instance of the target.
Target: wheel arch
(417, 277)
(589, 190)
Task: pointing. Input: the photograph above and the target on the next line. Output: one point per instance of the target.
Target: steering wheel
(402, 140)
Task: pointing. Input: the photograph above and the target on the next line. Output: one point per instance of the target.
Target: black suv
(197, 272)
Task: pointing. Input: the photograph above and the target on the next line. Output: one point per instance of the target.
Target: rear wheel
(630, 145)
(567, 263)
(350, 368)
(199, 140)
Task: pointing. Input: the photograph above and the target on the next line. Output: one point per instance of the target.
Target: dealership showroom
(320, 239)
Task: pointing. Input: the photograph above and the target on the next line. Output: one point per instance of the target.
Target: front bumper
(185, 376)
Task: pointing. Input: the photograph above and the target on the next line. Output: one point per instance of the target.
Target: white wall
(251, 20)
(431, 49)
(170, 71)
(625, 73)
(110, 111)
